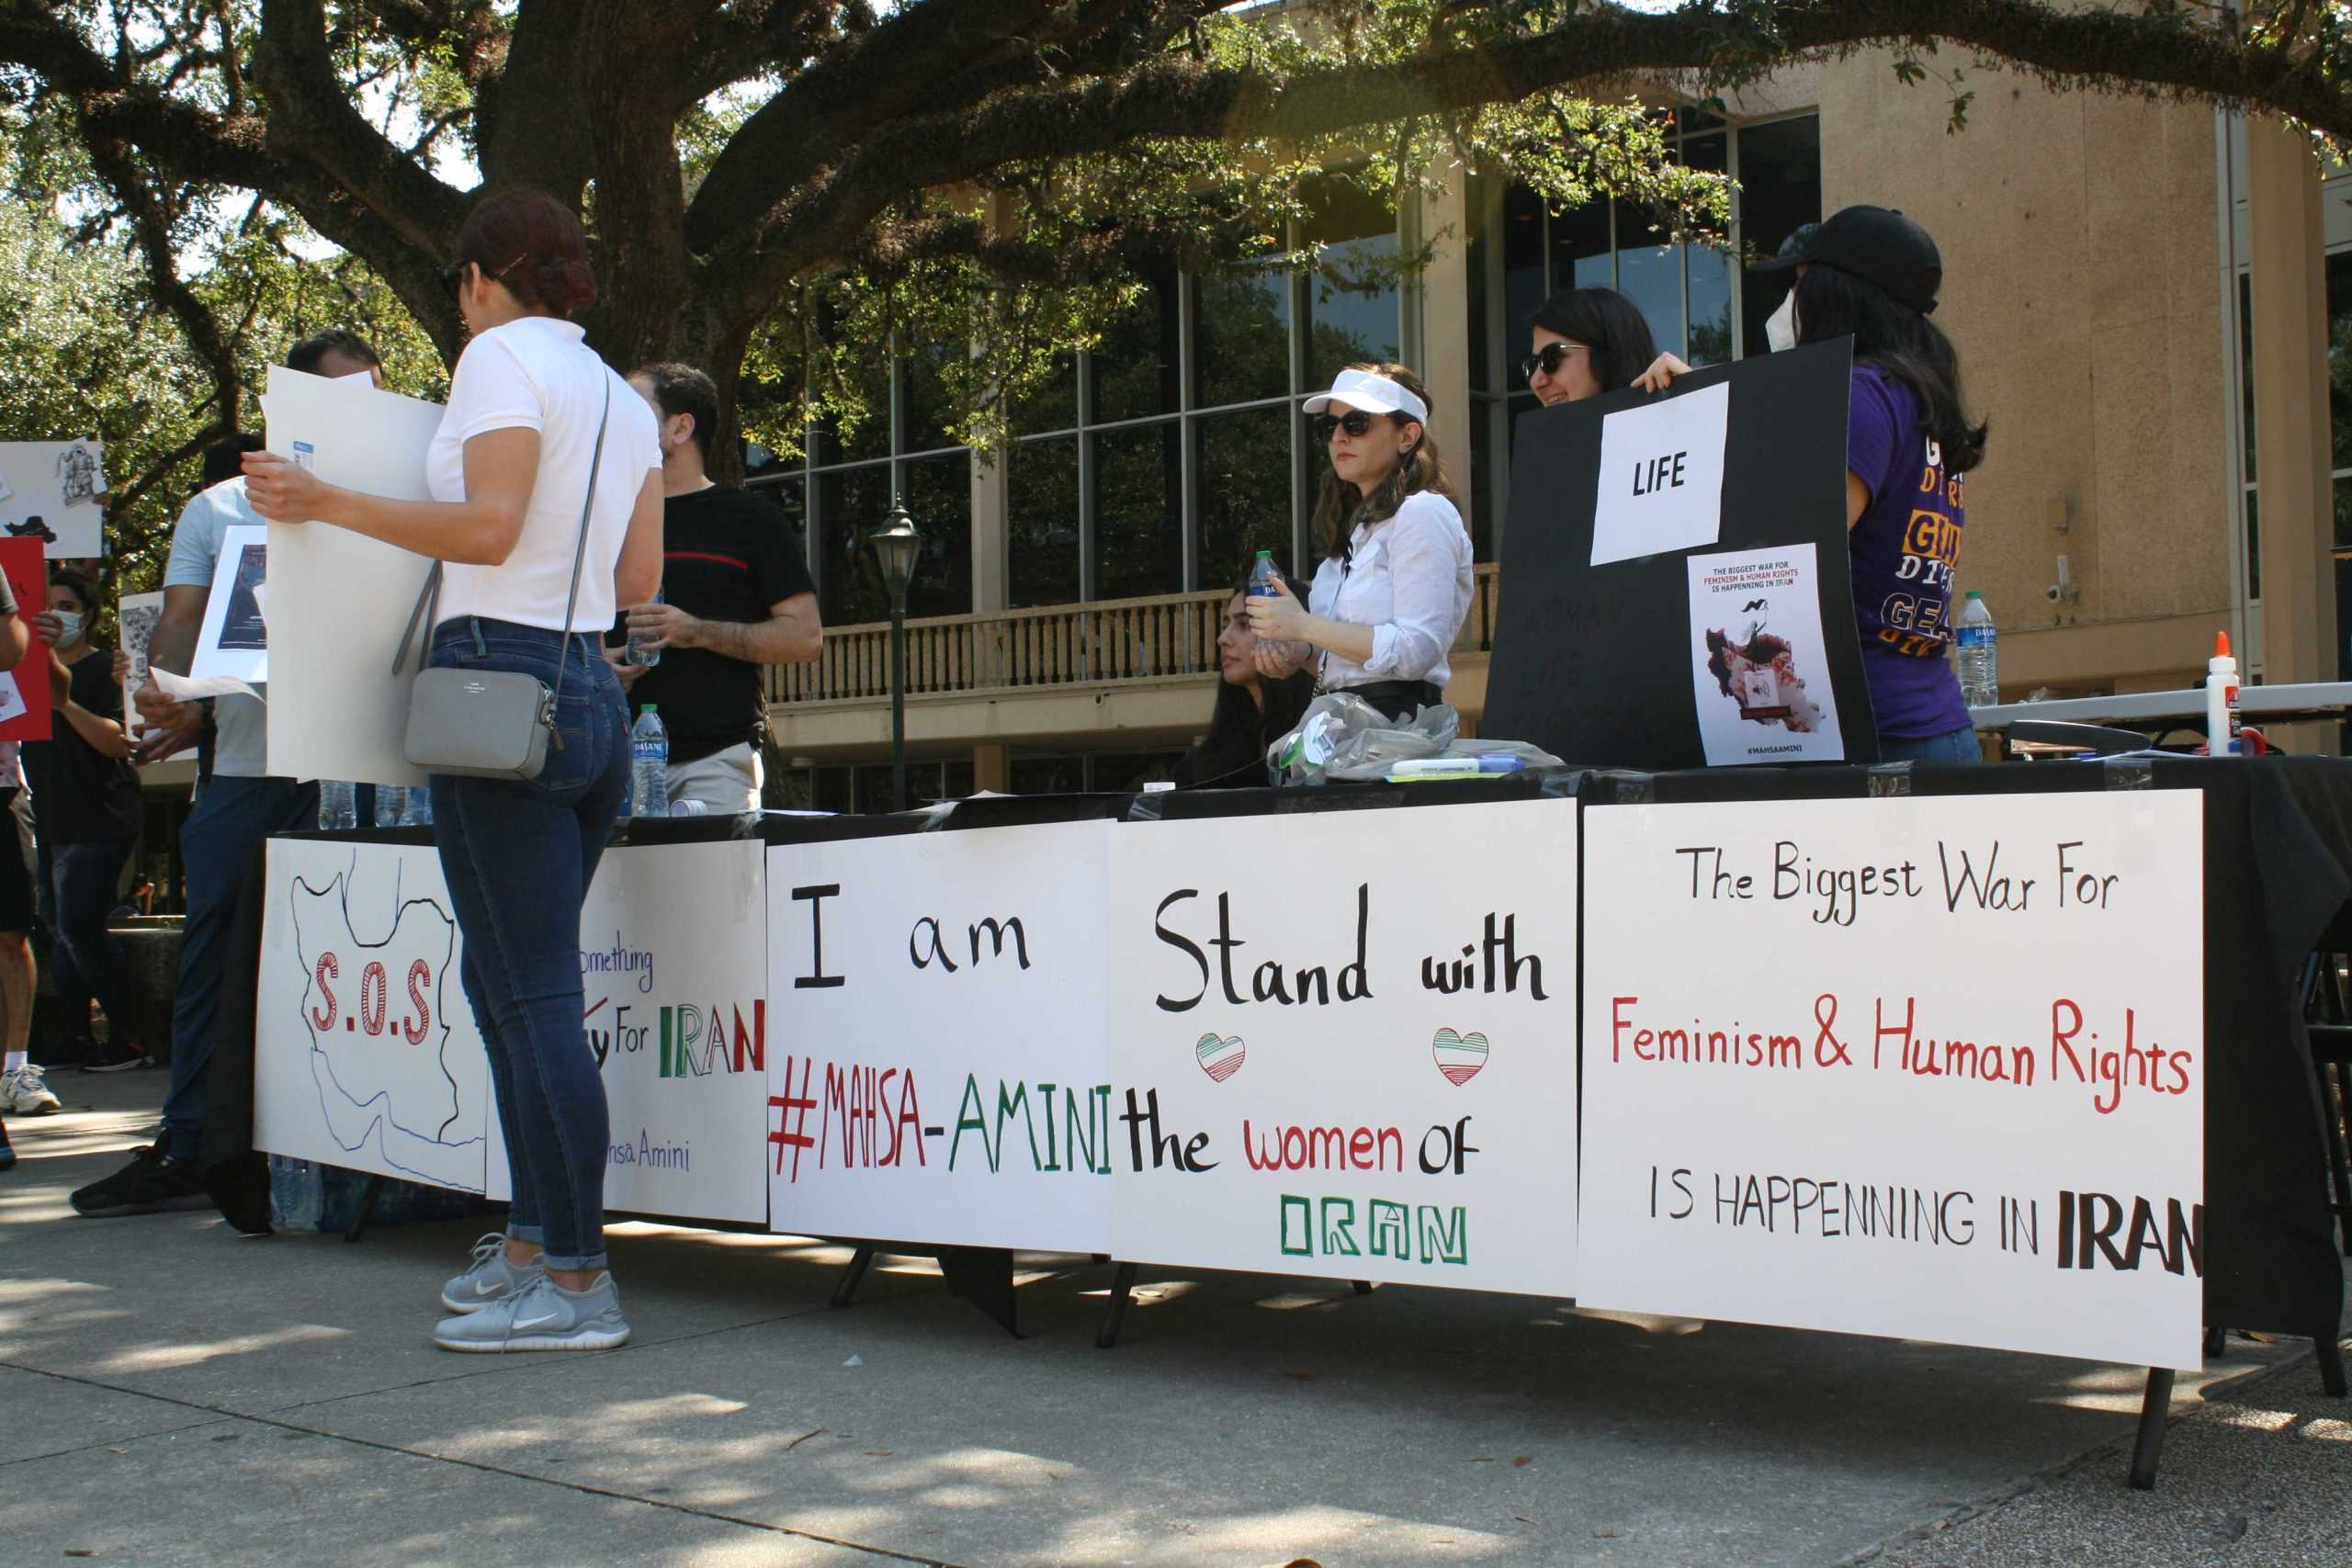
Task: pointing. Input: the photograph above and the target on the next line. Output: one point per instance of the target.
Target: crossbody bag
(491, 724)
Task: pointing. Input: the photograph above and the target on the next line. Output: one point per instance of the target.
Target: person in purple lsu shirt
(1874, 273)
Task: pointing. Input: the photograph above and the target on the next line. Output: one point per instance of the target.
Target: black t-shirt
(726, 555)
(80, 795)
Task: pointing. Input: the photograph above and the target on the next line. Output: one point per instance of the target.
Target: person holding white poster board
(545, 510)
(239, 804)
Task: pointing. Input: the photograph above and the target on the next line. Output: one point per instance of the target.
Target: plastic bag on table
(1343, 737)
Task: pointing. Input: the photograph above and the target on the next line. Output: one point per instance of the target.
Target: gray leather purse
(491, 724)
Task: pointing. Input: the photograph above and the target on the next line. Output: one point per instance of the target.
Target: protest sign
(234, 643)
(136, 614)
(49, 494)
(24, 691)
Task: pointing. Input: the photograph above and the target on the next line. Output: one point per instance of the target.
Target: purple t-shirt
(1903, 551)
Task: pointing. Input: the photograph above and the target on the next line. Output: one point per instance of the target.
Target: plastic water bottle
(649, 772)
(296, 1192)
(338, 805)
(418, 812)
(640, 650)
(1979, 654)
(390, 801)
(1263, 576)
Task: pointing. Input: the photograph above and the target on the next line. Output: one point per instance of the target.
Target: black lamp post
(894, 549)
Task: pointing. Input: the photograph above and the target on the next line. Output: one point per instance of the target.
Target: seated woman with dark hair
(1253, 709)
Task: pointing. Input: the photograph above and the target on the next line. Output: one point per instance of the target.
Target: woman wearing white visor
(1394, 586)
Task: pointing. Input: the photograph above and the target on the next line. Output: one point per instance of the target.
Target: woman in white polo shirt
(1394, 585)
(510, 472)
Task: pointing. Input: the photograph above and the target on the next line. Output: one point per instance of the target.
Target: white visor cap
(1372, 394)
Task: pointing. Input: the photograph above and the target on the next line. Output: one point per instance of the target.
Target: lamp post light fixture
(896, 548)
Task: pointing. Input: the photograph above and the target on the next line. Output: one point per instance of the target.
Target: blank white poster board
(1926, 1068)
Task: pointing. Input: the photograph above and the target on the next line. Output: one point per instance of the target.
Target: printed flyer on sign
(136, 614)
(1759, 667)
(1926, 1068)
(52, 492)
(1336, 1060)
(947, 1079)
(234, 643)
(1661, 476)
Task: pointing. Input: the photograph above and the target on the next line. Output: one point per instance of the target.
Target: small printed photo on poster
(243, 625)
(1759, 664)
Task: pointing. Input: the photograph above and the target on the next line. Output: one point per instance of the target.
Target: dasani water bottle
(1979, 653)
(648, 770)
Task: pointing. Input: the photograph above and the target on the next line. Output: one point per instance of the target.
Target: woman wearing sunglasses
(1584, 342)
(546, 478)
(1394, 585)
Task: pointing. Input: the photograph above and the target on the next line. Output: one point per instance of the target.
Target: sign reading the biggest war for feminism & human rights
(1924, 1067)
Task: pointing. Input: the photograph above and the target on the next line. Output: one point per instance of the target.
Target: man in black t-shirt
(737, 596)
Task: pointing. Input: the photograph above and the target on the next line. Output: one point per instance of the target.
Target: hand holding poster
(1930, 1068)
(338, 599)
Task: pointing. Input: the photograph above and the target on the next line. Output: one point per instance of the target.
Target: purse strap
(428, 602)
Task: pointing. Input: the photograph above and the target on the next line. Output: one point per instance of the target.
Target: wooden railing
(1170, 636)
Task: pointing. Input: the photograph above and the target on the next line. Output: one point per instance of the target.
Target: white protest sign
(136, 614)
(49, 490)
(364, 1053)
(947, 1077)
(1760, 666)
(338, 602)
(1924, 1067)
(1346, 1045)
(673, 961)
(234, 643)
(1661, 476)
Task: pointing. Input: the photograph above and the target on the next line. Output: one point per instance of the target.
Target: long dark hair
(1239, 730)
(1607, 322)
(1903, 343)
(1339, 505)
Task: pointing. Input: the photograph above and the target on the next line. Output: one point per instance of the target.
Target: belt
(1396, 699)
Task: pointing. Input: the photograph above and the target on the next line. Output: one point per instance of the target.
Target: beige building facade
(2146, 298)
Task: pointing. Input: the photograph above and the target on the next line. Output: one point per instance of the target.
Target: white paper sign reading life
(364, 1053)
(136, 614)
(234, 643)
(339, 600)
(1661, 476)
(49, 490)
(1759, 671)
(946, 1079)
(1926, 1068)
(673, 962)
(1337, 1058)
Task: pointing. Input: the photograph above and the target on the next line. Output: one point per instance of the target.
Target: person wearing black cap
(1872, 274)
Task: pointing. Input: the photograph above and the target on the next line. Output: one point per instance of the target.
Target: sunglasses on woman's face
(1549, 358)
(1355, 422)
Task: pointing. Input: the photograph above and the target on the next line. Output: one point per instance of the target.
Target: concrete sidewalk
(171, 1393)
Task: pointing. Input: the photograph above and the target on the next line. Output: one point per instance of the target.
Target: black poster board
(1595, 662)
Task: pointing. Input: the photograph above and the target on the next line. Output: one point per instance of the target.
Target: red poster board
(28, 576)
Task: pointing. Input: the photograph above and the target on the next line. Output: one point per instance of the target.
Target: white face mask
(1780, 327)
(69, 626)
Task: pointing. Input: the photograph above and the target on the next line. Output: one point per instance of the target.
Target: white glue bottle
(2222, 700)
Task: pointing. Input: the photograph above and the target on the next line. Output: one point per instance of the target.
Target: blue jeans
(78, 889)
(232, 820)
(1952, 746)
(519, 856)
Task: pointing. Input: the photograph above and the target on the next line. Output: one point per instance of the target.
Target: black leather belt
(1398, 699)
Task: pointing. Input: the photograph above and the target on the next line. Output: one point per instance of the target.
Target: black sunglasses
(1549, 358)
(1355, 422)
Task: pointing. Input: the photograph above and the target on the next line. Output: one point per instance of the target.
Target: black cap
(1877, 244)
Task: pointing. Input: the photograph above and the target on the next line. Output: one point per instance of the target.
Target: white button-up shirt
(1407, 578)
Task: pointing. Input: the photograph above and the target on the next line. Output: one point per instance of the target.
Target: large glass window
(1138, 511)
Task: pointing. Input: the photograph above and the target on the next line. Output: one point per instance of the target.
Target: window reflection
(1139, 512)
(1043, 502)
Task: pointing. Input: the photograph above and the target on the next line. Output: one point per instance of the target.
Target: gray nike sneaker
(491, 1278)
(542, 1315)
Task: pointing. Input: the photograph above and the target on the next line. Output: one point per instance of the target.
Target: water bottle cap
(1975, 593)
(1265, 554)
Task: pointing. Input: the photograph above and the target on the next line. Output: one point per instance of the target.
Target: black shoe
(109, 1057)
(8, 1154)
(33, 528)
(150, 1184)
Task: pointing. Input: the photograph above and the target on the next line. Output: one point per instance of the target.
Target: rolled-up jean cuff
(592, 1263)
(535, 1235)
